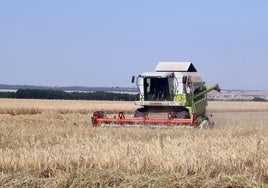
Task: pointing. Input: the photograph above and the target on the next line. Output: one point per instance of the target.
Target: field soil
(51, 143)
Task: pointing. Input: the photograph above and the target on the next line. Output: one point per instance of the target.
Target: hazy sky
(105, 42)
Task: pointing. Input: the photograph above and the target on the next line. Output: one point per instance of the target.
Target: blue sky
(105, 42)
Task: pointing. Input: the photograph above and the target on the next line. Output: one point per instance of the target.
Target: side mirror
(184, 79)
(133, 79)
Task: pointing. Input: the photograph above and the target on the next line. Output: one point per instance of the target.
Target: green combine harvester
(172, 95)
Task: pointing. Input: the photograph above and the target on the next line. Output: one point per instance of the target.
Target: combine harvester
(174, 95)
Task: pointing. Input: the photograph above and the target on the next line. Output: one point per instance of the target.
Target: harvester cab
(173, 94)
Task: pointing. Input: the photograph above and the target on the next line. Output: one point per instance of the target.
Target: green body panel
(191, 110)
(193, 106)
(200, 106)
(197, 103)
(180, 98)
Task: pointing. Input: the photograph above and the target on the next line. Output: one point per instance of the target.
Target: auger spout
(208, 89)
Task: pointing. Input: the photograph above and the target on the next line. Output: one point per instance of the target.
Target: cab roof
(175, 67)
(156, 74)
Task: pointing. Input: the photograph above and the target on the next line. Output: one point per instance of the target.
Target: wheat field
(51, 143)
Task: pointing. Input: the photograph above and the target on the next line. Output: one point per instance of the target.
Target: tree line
(59, 94)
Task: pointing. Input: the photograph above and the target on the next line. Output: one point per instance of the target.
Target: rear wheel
(204, 122)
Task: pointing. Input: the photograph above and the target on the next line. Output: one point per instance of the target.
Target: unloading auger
(174, 95)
